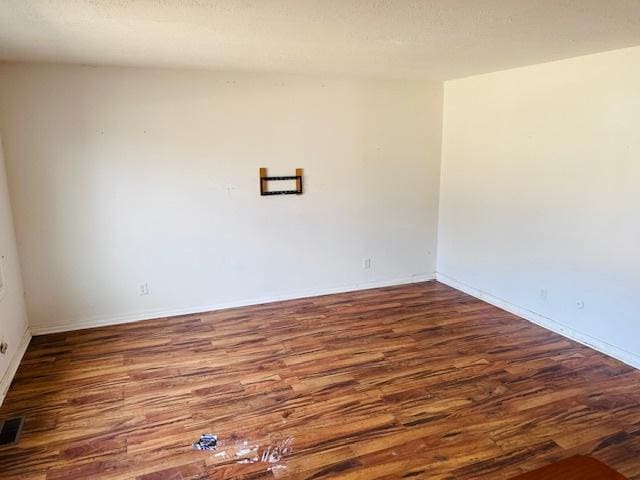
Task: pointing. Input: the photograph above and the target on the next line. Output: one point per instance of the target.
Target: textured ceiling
(433, 39)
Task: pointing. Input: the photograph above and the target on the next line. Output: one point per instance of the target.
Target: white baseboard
(5, 383)
(105, 320)
(601, 346)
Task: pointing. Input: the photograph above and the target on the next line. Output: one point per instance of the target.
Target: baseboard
(585, 339)
(5, 383)
(102, 321)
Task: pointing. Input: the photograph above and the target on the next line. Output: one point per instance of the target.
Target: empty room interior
(319, 239)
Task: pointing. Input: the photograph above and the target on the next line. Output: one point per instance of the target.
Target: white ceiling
(434, 39)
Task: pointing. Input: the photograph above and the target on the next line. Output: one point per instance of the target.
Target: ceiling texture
(412, 39)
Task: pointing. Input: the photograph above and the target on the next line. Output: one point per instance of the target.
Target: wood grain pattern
(417, 381)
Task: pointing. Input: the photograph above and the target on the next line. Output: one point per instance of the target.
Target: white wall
(128, 176)
(540, 190)
(13, 318)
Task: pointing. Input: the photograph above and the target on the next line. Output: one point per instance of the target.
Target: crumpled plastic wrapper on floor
(207, 442)
(271, 453)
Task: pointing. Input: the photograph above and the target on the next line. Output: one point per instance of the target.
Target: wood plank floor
(418, 381)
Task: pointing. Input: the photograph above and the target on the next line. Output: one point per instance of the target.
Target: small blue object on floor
(207, 442)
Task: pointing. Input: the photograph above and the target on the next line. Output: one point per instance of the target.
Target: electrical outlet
(366, 263)
(144, 289)
(544, 294)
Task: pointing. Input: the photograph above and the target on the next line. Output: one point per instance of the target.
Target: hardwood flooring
(418, 381)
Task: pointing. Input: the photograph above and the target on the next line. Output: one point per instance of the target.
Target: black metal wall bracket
(264, 186)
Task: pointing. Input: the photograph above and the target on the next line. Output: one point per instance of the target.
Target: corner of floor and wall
(538, 196)
(517, 187)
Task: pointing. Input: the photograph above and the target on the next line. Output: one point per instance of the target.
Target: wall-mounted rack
(265, 179)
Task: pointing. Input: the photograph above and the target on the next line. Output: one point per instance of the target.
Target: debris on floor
(271, 453)
(207, 442)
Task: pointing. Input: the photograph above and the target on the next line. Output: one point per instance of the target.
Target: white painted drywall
(541, 191)
(13, 318)
(125, 176)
